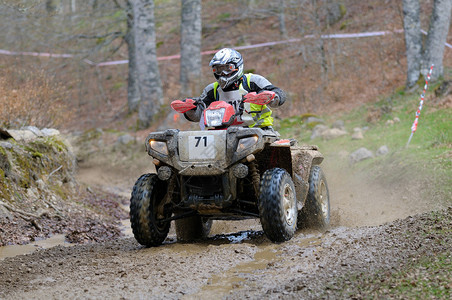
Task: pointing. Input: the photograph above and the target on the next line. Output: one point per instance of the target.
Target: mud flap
(303, 158)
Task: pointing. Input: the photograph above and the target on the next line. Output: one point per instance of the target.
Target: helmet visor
(224, 69)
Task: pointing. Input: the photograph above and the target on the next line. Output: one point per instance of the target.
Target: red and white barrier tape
(447, 44)
(421, 103)
(177, 56)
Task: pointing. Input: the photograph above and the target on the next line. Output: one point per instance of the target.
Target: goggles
(224, 69)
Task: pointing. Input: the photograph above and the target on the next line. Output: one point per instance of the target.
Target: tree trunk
(73, 6)
(413, 40)
(190, 61)
(51, 6)
(437, 34)
(282, 19)
(133, 89)
(146, 59)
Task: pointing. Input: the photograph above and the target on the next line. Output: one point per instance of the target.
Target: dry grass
(331, 78)
(31, 97)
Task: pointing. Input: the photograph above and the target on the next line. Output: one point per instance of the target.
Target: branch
(53, 172)
(24, 215)
(84, 36)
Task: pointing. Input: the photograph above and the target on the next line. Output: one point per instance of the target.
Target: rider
(232, 84)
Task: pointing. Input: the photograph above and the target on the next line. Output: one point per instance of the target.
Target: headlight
(158, 146)
(214, 117)
(247, 142)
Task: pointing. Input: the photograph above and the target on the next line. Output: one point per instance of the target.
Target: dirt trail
(237, 260)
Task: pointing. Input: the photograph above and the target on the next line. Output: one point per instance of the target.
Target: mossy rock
(5, 165)
(304, 117)
(22, 164)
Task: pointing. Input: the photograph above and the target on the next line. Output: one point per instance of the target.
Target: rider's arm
(259, 83)
(207, 97)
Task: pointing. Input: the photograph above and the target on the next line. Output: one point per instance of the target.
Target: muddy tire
(192, 228)
(315, 213)
(147, 193)
(278, 205)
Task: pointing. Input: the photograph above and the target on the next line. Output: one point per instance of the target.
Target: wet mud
(374, 229)
(244, 264)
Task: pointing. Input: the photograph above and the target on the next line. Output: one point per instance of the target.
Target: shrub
(31, 97)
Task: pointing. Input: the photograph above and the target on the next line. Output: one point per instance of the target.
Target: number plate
(201, 147)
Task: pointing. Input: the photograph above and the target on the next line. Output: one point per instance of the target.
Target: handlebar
(263, 98)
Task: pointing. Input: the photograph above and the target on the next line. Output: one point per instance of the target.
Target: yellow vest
(262, 114)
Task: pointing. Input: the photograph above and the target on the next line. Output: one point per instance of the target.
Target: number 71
(198, 140)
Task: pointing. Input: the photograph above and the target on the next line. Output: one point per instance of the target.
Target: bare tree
(146, 58)
(133, 89)
(436, 39)
(190, 42)
(282, 19)
(413, 39)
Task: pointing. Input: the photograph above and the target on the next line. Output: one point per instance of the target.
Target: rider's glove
(279, 99)
(275, 101)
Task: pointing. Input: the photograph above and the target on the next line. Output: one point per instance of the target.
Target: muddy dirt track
(237, 261)
(310, 266)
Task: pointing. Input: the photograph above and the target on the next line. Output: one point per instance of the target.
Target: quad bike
(227, 173)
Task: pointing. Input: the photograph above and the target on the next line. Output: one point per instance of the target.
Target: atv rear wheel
(316, 211)
(192, 228)
(277, 205)
(147, 194)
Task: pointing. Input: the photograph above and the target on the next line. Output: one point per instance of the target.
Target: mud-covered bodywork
(228, 172)
(217, 173)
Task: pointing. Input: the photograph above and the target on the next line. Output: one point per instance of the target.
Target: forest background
(73, 90)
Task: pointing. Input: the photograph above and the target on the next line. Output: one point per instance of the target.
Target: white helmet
(227, 66)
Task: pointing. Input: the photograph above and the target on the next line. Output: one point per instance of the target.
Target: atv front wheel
(147, 227)
(278, 205)
(316, 211)
(192, 228)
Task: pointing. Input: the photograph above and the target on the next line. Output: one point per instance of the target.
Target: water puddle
(221, 285)
(310, 242)
(14, 250)
(125, 227)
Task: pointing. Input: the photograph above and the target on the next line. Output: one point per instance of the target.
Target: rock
(396, 120)
(41, 185)
(314, 120)
(6, 145)
(24, 171)
(389, 122)
(125, 139)
(383, 150)
(333, 133)
(5, 214)
(33, 129)
(357, 134)
(360, 154)
(326, 133)
(50, 132)
(22, 135)
(317, 131)
(32, 194)
(339, 124)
